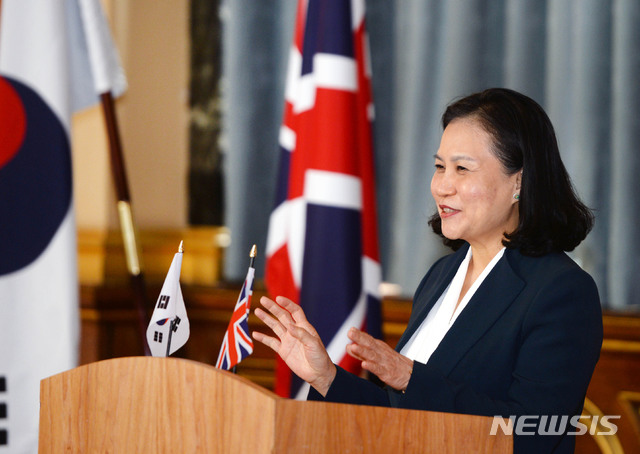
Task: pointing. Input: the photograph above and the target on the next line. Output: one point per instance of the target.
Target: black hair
(551, 216)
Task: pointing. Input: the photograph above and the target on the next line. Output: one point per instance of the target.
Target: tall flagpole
(126, 218)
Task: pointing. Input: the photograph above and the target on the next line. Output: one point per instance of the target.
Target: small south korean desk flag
(169, 326)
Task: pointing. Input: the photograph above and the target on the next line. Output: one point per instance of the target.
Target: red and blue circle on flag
(35, 175)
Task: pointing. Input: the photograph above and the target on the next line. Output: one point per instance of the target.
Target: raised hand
(378, 358)
(297, 342)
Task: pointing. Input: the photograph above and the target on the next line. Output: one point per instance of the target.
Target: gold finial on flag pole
(180, 248)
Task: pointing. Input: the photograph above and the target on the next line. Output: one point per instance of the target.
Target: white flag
(169, 321)
(45, 75)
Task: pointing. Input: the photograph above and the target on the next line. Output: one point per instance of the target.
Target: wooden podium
(155, 405)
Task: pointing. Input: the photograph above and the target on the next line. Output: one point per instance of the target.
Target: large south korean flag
(55, 56)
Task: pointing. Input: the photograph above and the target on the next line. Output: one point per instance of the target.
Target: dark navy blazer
(526, 344)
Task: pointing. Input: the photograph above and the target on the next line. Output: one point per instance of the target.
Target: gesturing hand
(378, 358)
(298, 343)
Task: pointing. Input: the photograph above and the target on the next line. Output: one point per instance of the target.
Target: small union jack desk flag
(237, 343)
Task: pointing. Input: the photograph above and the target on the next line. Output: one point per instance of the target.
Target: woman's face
(473, 194)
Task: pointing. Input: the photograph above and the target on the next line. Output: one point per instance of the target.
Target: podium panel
(145, 404)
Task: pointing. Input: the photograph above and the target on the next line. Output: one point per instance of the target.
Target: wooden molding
(101, 258)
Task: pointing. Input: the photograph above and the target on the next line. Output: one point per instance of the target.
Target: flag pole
(126, 218)
(252, 255)
(172, 326)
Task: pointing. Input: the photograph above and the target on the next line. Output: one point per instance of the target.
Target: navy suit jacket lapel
(428, 298)
(498, 291)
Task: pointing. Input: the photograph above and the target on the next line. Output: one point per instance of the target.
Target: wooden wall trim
(101, 259)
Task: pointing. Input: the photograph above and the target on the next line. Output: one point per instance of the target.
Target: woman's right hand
(297, 342)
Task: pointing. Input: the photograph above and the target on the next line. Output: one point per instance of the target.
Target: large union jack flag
(237, 343)
(322, 247)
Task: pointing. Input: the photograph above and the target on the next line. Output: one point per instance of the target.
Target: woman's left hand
(378, 358)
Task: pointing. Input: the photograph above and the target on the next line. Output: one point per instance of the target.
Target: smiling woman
(551, 218)
(473, 192)
(508, 325)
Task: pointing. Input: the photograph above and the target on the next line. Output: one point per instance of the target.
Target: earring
(516, 196)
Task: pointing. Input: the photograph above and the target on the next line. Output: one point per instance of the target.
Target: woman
(507, 325)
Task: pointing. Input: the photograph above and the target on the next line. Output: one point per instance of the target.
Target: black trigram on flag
(163, 301)
(176, 322)
(4, 433)
(157, 336)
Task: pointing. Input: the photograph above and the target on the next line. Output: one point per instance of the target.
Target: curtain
(578, 58)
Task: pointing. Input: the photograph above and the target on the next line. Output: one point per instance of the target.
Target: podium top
(146, 404)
